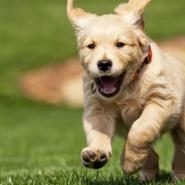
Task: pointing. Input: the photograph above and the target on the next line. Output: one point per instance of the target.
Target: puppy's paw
(130, 167)
(94, 158)
(176, 176)
(147, 176)
(132, 161)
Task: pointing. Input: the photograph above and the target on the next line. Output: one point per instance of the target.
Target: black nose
(104, 65)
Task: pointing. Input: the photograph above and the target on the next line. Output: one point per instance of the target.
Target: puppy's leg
(142, 135)
(151, 167)
(178, 165)
(99, 128)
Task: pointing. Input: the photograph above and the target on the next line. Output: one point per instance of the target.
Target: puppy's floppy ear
(133, 11)
(77, 16)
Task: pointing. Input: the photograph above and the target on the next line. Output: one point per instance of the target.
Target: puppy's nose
(104, 65)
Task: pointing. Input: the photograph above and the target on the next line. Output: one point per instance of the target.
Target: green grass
(40, 144)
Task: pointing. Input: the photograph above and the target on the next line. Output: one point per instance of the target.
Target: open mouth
(109, 86)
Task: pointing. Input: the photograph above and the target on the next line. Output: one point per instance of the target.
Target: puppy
(131, 88)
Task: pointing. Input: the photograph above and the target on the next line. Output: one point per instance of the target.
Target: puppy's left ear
(78, 17)
(133, 11)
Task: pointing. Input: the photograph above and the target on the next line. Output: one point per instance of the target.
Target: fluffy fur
(147, 107)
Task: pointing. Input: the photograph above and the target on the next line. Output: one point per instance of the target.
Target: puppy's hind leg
(178, 165)
(151, 168)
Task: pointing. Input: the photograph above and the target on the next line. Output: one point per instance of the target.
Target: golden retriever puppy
(128, 79)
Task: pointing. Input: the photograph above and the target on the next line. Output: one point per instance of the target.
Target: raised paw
(94, 158)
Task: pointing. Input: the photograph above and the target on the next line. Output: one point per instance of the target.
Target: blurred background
(40, 133)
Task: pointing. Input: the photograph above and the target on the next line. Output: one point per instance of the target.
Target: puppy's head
(111, 46)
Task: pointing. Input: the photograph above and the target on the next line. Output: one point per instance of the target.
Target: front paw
(133, 161)
(148, 175)
(176, 176)
(94, 158)
(129, 167)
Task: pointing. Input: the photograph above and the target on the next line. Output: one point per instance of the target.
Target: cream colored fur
(148, 107)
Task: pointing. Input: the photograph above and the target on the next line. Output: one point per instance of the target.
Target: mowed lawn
(40, 144)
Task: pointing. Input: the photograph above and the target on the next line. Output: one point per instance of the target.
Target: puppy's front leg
(99, 127)
(142, 135)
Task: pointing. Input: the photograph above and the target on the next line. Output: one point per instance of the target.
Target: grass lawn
(40, 144)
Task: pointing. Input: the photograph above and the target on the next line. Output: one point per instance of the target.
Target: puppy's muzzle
(109, 86)
(104, 65)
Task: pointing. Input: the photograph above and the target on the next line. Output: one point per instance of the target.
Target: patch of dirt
(175, 46)
(55, 83)
(62, 83)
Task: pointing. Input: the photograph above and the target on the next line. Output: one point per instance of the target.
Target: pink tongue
(108, 83)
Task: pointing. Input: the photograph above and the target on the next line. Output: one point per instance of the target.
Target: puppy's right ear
(78, 17)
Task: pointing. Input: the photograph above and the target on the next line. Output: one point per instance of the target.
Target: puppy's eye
(91, 46)
(120, 44)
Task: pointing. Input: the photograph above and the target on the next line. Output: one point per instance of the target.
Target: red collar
(147, 60)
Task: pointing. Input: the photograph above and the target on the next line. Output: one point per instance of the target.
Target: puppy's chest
(130, 110)
(131, 104)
